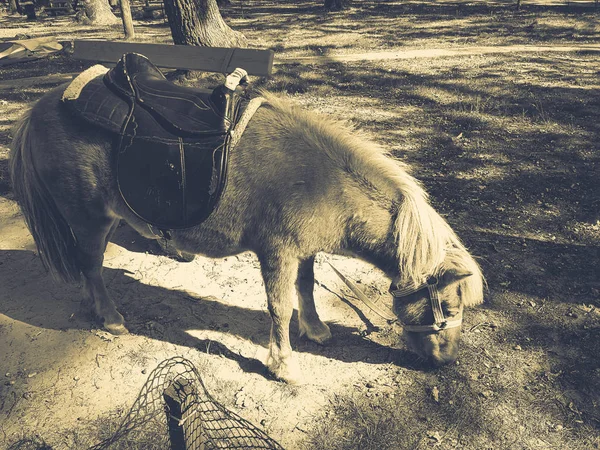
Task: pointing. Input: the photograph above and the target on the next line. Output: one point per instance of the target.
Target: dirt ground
(506, 143)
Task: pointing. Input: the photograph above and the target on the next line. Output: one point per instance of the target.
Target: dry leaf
(435, 393)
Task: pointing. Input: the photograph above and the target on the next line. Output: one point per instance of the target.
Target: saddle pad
(169, 179)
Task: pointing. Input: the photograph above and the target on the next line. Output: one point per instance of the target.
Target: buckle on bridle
(432, 281)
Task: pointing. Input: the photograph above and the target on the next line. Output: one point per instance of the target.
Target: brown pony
(299, 183)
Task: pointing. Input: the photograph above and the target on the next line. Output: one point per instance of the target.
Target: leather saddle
(171, 143)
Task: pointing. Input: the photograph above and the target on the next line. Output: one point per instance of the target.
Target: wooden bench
(150, 7)
(189, 57)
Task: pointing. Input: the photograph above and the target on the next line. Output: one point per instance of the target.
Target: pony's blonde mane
(425, 242)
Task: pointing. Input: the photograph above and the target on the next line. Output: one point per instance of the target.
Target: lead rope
(387, 315)
(441, 323)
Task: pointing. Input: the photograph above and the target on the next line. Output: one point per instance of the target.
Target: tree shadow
(454, 21)
(53, 64)
(500, 146)
(570, 351)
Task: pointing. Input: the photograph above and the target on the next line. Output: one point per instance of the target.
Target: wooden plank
(208, 59)
(433, 53)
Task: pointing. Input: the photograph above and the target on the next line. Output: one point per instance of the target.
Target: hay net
(175, 400)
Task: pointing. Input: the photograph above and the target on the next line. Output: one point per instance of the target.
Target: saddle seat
(190, 111)
(170, 143)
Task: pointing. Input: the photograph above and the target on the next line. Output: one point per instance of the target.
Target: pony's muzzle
(442, 358)
(438, 348)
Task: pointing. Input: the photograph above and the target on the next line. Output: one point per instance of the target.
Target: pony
(299, 183)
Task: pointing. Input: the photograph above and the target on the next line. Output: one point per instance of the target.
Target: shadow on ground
(166, 314)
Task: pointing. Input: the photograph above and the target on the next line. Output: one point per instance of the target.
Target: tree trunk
(335, 5)
(199, 22)
(97, 12)
(127, 20)
(12, 6)
(28, 8)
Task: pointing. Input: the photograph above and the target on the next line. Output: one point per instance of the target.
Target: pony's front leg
(279, 274)
(310, 324)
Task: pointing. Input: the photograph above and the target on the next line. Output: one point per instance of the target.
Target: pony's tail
(52, 234)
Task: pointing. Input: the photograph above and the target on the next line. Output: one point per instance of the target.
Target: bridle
(440, 321)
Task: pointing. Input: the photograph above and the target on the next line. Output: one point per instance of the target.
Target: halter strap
(440, 321)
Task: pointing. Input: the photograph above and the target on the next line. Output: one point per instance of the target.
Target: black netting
(174, 399)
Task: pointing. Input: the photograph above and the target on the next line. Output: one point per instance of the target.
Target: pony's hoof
(116, 329)
(186, 257)
(319, 333)
(286, 371)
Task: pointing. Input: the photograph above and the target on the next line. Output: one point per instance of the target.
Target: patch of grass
(149, 434)
(354, 422)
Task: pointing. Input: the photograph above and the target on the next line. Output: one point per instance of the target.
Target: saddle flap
(172, 185)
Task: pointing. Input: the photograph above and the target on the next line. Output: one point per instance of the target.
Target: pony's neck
(371, 238)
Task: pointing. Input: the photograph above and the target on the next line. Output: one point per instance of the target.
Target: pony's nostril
(441, 359)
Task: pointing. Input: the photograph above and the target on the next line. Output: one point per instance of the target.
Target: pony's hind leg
(92, 238)
(279, 274)
(310, 324)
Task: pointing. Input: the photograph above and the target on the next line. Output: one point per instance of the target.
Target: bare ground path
(437, 53)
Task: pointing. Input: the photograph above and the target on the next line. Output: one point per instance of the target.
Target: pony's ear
(454, 275)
